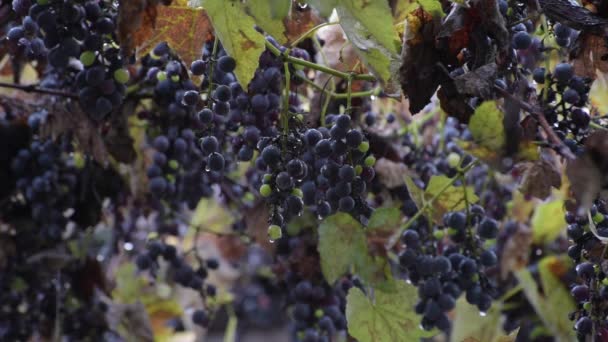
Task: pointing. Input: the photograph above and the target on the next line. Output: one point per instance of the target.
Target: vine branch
(551, 135)
(321, 68)
(33, 88)
(395, 237)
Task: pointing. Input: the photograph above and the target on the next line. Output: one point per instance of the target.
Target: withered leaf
(419, 75)
(391, 173)
(588, 173)
(592, 56)
(478, 82)
(516, 250)
(571, 14)
(68, 117)
(136, 20)
(184, 28)
(539, 178)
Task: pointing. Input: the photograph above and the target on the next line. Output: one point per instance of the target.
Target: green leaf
(269, 16)
(432, 6)
(486, 126)
(235, 29)
(451, 199)
(210, 216)
(341, 244)
(385, 219)
(548, 221)
(343, 248)
(324, 7)
(389, 317)
(368, 25)
(486, 328)
(129, 285)
(416, 193)
(554, 295)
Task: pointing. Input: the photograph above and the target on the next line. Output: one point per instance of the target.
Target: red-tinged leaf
(185, 29)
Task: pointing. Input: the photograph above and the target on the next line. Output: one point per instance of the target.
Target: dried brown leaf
(185, 29)
(592, 56)
(516, 251)
(300, 21)
(418, 74)
(588, 173)
(539, 178)
(391, 173)
(68, 118)
(478, 82)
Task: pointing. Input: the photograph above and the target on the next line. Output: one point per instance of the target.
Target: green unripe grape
(121, 76)
(175, 78)
(267, 178)
(453, 160)
(438, 234)
(358, 169)
(265, 190)
(587, 306)
(274, 232)
(297, 192)
(173, 164)
(87, 58)
(161, 76)
(370, 161)
(364, 146)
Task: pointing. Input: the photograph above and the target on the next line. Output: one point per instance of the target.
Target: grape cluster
(564, 100)
(58, 33)
(316, 307)
(443, 270)
(591, 288)
(44, 215)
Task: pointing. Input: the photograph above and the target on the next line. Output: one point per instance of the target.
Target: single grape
(226, 64)
(522, 40)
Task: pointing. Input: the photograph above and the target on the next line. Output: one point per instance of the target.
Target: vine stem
(395, 237)
(212, 65)
(308, 34)
(551, 135)
(365, 93)
(315, 66)
(32, 88)
(285, 111)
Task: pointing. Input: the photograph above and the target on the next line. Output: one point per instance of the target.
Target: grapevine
(316, 170)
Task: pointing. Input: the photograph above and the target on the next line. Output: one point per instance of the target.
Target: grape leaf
(389, 317)
(343, 248)
(210, 216)
(185, 29)
(451, 199)
(554, 295)
(432, 6)
(269, 16)
(324, 7)
(236, 30)
(384, 219)
(416, 193)
(486, 328)
(369, 27)
(486, 126)
(548, 221)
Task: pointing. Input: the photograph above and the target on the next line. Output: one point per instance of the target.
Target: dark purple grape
(226, 64)
(522, 40)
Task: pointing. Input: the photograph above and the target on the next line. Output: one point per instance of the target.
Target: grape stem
(321, 68)
(374, 91)
(308, 34)
(33, 88)
(212, 64)
(395, 237)
(551, 135)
